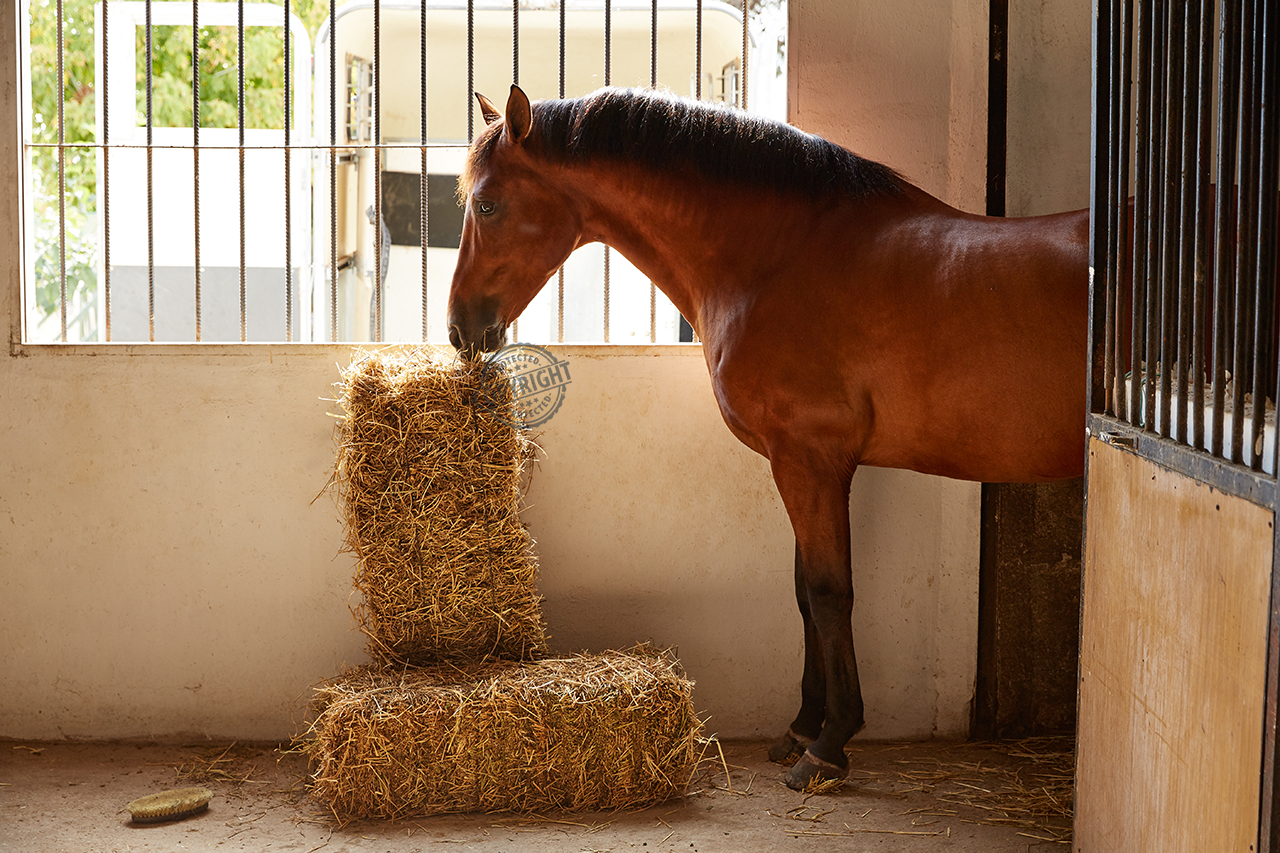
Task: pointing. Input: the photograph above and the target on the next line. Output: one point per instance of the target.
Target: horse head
(518, 228)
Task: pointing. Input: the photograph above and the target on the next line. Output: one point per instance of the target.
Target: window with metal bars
(192, 175)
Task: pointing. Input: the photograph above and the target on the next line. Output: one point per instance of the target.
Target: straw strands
(428, 474)
(606, 731)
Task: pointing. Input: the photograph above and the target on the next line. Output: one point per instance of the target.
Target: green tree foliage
(171, 104)
(78, 104)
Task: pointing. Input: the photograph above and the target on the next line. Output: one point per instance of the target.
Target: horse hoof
(810, 770)
(788, 748)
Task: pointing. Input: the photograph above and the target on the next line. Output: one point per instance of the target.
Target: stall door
(1172, 662)
(1178, 654)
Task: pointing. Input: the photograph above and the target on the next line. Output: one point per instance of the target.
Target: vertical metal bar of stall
(195, 145)
(62, 181)
(653, 84)
(1101, 206)
(1245, 284)
(1224, 216)
(608, 67)
(1155, 198)
(1137, 269)
(1171, 210)
(333, 173)
(1263, 237)
(151, 243)
(1186, 212)
(1122, 131)
(1116, 152)
(424, 182)
(288, 177)
(1138, 379)
(1200, 226)
(560, 272)
(240, 129)
(106, 181)
(377, 170)
(1104, 102)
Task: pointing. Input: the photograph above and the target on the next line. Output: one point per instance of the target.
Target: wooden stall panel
(1172, 660)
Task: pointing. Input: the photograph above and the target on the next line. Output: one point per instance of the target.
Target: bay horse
(847, 318)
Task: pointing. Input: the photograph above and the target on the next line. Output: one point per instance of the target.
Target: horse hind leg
(817, 502)
(813, 684)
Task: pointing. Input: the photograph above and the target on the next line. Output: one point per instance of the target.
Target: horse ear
(519, 116)
(487, 110)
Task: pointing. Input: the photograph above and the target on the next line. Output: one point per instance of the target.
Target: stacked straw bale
(609, 731)
(458, 711)
(428, 478)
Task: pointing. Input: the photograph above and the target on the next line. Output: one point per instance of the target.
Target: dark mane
(666, 132)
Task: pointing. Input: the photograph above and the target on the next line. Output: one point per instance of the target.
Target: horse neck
(696, 239)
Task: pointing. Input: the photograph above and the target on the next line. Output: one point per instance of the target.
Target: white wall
(1049, 106)
(165, 570)
(903, 83)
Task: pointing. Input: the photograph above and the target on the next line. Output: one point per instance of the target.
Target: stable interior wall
(169, 571)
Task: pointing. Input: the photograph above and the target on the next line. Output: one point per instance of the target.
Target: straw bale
(428, 477)
(600, 731)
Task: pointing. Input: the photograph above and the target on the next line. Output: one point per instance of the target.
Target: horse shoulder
(777, 389)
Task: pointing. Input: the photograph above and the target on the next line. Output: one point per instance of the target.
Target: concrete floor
(900, 797)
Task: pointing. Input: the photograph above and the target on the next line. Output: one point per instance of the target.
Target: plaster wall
(1050, 105)
(166, 570)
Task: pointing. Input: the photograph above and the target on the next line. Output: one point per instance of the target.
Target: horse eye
(485, 208)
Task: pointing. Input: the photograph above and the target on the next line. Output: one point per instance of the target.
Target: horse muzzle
(471, 343)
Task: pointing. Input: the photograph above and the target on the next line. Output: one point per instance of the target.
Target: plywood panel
(1172, 662)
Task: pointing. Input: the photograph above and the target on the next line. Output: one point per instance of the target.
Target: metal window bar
(151, 242)
(195, 145)
(378, 148)
(653, 84)
(106, 186)
(423, 173)
(378, 237)
(608, 68)
(333, 178)
(1185, 325)
(471, 71)
(62, 182)
(287, 34)
(560, 272)
(240, 130)
(515, 79)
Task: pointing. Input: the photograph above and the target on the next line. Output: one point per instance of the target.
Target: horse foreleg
(813, 684)
(817, 502)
